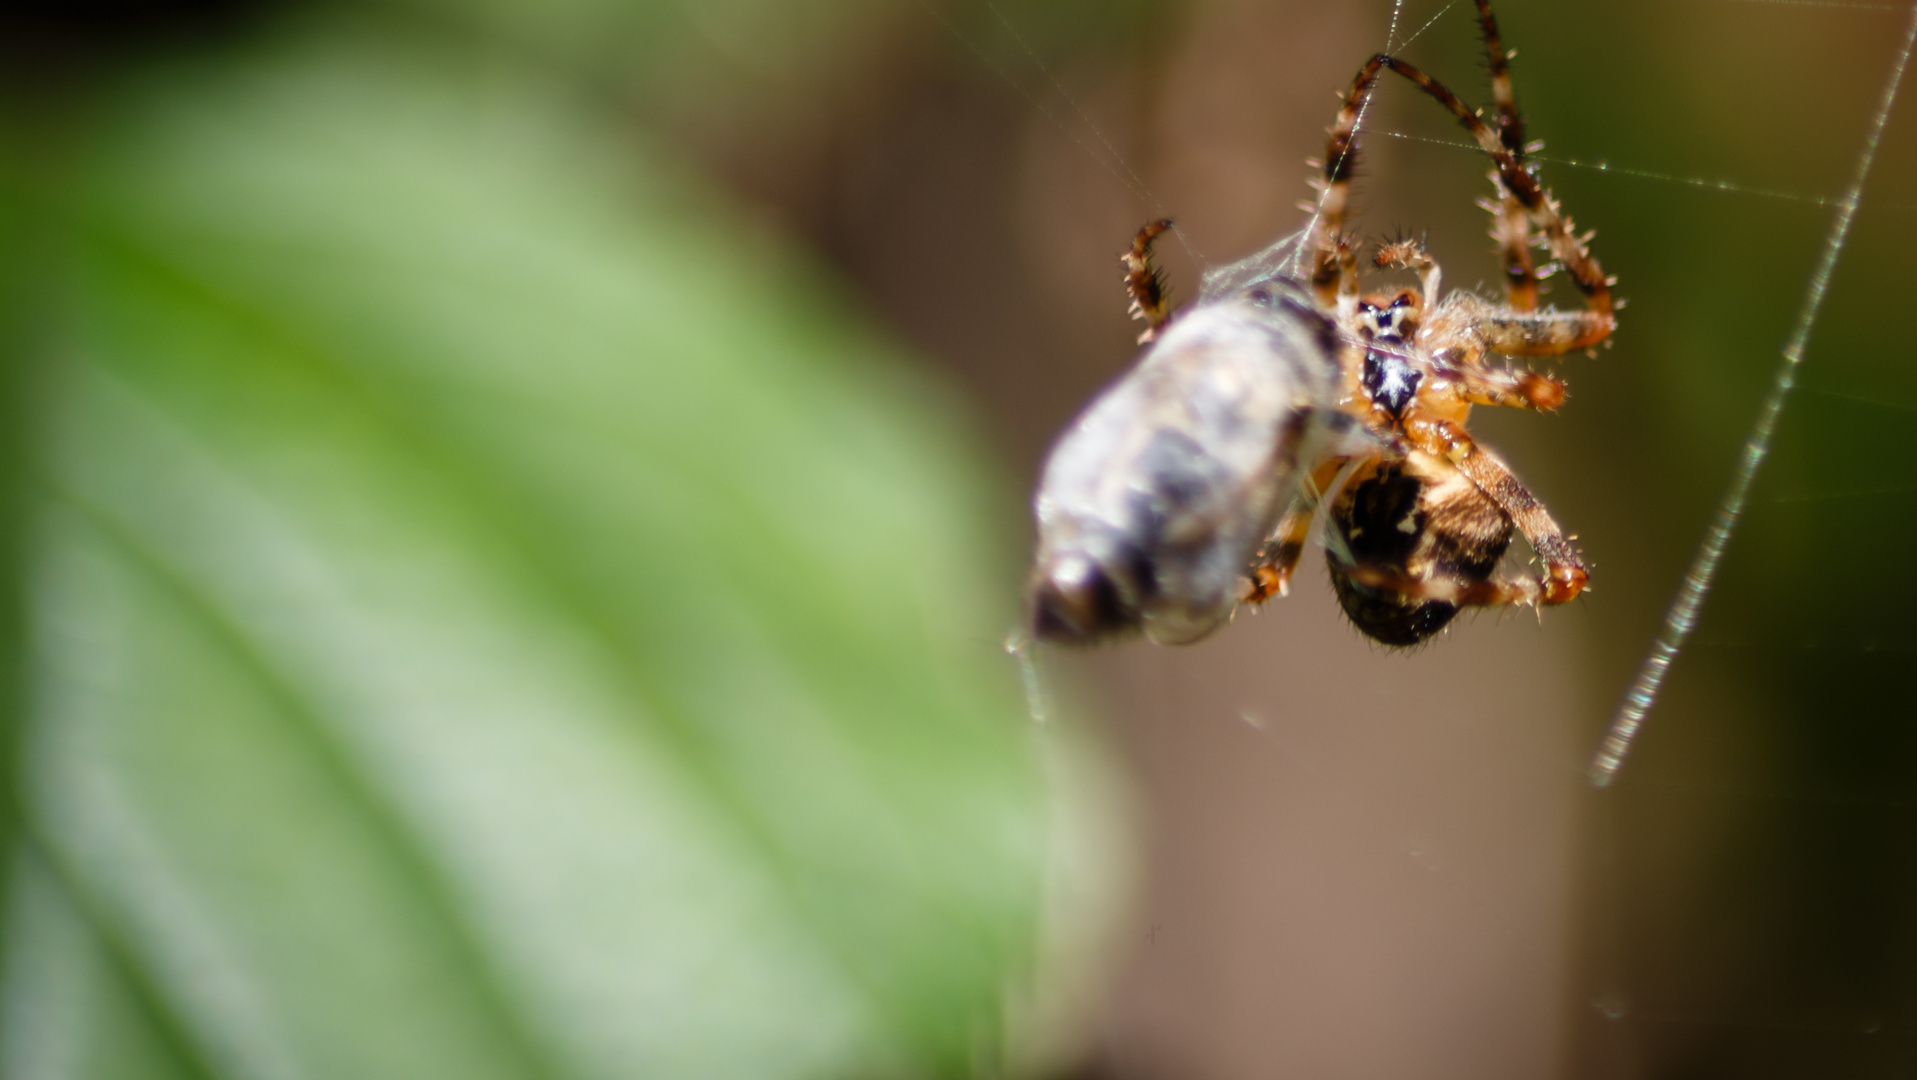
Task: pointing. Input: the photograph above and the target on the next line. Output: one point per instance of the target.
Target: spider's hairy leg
(1510, 124)
(1145, 283)
(1510, 223)
(1511, 228)
(1495, 592)
(1345, 299)
(1564, 573)
(1470, 326)
(1334, 272)
(1271, 570)
(1544, 333)
(1512, 388)
(1270, 573)
(1542, 210)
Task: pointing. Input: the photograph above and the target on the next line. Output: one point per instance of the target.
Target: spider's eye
(1403, 300)
(1367, 306)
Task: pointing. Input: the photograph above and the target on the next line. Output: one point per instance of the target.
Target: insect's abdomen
(1154, 502)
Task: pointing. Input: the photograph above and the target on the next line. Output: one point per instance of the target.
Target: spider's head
(1393, 318)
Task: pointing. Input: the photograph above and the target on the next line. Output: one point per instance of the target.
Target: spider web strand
(1825, 4)
(1115, 165)
(1622, 170)
(1117, 160)
(1682, 616)
(1406, 43)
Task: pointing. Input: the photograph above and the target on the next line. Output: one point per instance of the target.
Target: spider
(1138, 523)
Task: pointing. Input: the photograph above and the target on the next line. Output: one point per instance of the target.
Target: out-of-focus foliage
(492, 617)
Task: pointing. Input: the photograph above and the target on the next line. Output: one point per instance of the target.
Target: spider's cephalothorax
(1281, 378)
(1390, 378)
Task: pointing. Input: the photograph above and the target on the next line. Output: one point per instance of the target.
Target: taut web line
(1406, 43)
(1682, 616)
(1646, 174)
(1117, 162)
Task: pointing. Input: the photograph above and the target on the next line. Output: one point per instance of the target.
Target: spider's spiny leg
(1564, 567)
(1514, 179)
(1459, 593)
(1270, 573)
(1271, 569)
(1512, 388)
(1334, 189)
(1151, 300)
(1510, 124)
(1543, 333)
(1511, 224)
(1511, 228)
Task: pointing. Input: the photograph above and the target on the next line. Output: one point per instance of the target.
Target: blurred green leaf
(493, 618)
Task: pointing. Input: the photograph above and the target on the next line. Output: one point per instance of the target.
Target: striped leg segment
(1271, 571)
(1509, 387)
(1334, 272)
(1563, 566)
(1460, 593)
(1511, 223)
(1543, 210)
(1151, 300)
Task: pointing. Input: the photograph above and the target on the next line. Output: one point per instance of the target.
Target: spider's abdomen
(1422, 522)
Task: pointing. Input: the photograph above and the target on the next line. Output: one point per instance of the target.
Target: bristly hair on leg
(1145, 282)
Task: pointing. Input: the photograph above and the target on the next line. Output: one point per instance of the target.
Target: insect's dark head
(1077, 600)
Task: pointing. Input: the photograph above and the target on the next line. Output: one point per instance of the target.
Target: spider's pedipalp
(1411, 255)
